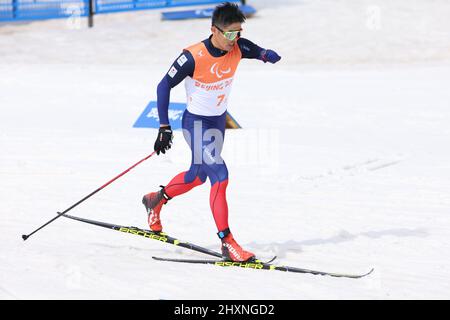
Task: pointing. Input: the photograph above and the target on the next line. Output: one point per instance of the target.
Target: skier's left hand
(270, 56)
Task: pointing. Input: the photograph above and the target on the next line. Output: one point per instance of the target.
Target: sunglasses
(230, 35)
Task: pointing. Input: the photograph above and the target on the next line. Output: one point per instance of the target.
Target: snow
(342, 165)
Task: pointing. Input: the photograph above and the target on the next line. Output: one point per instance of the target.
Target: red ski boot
(231, 250)
(153, 203)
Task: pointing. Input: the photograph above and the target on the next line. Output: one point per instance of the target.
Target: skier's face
(225, 37)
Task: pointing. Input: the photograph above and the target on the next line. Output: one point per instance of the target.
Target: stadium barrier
(16, 10)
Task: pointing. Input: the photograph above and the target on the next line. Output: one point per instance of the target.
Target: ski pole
(25, 237)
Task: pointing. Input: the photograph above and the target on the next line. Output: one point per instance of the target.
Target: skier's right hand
(164, 140)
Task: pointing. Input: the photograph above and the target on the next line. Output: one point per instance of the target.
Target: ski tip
(366, 274)
(371, 270)
(271, 260)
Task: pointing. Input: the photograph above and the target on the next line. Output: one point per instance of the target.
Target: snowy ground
(342, 165)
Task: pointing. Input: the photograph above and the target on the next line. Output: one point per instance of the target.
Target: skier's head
(226, 24)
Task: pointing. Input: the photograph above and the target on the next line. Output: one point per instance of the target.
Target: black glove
(164, 140)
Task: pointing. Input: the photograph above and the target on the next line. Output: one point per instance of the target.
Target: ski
(159, 236)
(163, 237)
(213, 261)
(259, 265)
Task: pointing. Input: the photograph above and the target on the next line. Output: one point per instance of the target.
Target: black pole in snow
(91, 14)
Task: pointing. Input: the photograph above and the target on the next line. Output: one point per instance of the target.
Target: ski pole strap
(222, 234)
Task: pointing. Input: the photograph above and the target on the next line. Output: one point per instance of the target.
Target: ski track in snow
(353, 169)
(5, 294)
(292, 246)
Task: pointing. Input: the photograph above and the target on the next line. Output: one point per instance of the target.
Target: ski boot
(231, 250)
(153, 203)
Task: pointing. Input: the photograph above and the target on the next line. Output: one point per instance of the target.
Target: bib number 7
(220, 99)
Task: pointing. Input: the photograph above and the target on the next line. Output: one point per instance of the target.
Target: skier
(208, 69)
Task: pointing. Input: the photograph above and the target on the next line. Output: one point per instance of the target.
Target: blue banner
(150, 119)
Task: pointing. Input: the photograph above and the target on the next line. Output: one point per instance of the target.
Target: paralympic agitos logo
(219, 73)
